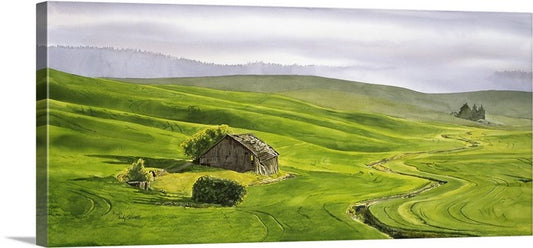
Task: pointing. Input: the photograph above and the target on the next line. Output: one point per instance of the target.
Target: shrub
(197, 144)
(135, 172)
(219, 191)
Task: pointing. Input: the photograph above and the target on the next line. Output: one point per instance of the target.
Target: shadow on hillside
(170, 165)
(163, 199)
(108, 179)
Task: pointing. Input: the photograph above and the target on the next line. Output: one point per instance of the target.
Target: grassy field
(362, 97)
(98, 126)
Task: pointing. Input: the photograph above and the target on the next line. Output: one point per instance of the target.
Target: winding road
(360, 211)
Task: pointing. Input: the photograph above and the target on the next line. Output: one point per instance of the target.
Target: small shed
(242, 152)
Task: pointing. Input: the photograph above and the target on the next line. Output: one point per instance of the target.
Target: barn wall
(269, 167)
(229, 154)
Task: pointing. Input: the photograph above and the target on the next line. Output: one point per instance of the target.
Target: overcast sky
(420, 50)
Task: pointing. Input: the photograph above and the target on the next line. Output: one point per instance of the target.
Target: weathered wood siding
(232, 155)
(267, 167)
(271, 165)
(229, 154)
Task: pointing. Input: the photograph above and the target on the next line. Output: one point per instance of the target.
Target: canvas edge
(41, 126)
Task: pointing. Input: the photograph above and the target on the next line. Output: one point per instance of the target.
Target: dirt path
(360, 211)
(274, 229)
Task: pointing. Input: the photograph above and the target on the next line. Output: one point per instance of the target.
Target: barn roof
(261, 149)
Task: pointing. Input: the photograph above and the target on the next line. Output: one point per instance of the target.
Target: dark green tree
(465, 112)
(480, 113)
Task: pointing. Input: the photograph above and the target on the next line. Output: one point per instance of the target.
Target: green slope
(98, 125)
(356, 96)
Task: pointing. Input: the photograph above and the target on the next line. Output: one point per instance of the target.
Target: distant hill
(111, 62)
(364, 97)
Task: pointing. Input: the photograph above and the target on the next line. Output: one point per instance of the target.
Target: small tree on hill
(135, 172)
(474, 108)
(465, 112)
(479, 114)
(197, 144)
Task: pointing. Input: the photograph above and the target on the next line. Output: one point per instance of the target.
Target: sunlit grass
(98, 126)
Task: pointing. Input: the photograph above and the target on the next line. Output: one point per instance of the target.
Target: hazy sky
(421, 50)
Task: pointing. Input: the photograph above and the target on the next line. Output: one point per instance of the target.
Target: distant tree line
(473, 114)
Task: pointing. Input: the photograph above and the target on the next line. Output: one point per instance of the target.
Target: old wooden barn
(242, 152)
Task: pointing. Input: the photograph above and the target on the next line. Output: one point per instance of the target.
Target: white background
(17, 117)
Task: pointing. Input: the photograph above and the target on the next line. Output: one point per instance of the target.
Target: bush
(197, 144)
(135, 172)
(219, 191)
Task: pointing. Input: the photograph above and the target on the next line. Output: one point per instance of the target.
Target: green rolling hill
(327, 131)
(363, 97)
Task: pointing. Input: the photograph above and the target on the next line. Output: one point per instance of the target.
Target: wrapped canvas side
(42, 127)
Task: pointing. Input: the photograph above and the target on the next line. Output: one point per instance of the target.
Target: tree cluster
(473, 114)
(219, 191)
(198, 144)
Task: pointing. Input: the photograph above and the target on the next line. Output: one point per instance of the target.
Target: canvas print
(180, 124)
